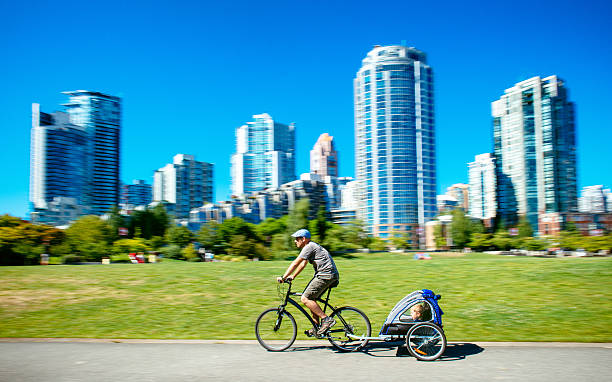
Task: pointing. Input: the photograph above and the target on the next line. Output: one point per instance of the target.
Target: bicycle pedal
(311, 333)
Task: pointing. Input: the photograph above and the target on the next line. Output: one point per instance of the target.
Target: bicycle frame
(291, 301)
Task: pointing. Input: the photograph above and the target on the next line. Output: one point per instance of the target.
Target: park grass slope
(484, 297)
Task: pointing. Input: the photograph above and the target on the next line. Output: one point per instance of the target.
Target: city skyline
(161, 68)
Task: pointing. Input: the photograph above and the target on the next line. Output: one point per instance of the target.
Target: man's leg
(316, 310)
(316, 287)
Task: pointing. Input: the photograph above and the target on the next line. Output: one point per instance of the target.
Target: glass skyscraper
(57, 164)
(136, 194)
(483, 204)
(535, 150)
(395, 154)
(324, 157)
(186, 183)
(100, 116)
(265, 155)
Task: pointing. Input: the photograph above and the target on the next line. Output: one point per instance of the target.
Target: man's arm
(301, 264)
(294, 269)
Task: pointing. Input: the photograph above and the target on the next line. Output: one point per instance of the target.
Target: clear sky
(191, 72)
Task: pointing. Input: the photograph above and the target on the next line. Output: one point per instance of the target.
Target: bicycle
(276, 329)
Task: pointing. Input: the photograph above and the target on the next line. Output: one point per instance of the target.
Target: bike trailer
(399, 321)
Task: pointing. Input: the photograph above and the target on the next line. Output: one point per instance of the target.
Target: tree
(401, 239)
(533, 244)
(172, 251)
(279, 247)
(571, 240)
(270, 227)
(377, 244)
(150, 222)
(116, 221)
(241, 246)
(7, 220)
(524, 228)
(355, 233)
(179, 235)
(502, 240)
(476, 226)
(161, 220)
(90, 237)
(298, 215)
(189, 253)
(22, 242)
(460, 228)
(156, 242)
(208, 236)
(319, 226)
(125, 246)
(480, 241)
(235, 226)
(598, 243)
(439, 236)
(337, 239)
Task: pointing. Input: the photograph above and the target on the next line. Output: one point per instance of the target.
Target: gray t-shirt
(320, 259)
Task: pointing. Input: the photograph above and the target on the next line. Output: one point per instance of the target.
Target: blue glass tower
(535, 150)
(57, 163)
(265, 155)
(395, 141)
(100, 115)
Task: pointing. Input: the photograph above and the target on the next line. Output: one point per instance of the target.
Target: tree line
(90, 238)
(466, 232)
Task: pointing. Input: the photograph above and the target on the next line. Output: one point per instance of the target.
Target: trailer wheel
(426, 341)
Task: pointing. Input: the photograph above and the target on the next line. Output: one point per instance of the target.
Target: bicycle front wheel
(352, 326)
(275, 329)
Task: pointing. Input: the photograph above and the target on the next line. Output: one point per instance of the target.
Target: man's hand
(280, 279)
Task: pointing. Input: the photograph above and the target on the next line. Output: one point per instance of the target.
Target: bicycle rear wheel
(426, 341)
(349, 321)
(275, 330)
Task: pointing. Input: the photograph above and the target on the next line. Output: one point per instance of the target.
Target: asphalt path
(52, 360)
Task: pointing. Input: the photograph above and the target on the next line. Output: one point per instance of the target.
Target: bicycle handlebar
(288, 280)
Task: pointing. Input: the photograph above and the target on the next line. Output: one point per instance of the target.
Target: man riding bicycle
(326, 276)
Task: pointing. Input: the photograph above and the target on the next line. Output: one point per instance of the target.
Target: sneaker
(326, 323)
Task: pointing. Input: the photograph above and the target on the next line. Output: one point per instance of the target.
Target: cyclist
(326, 276)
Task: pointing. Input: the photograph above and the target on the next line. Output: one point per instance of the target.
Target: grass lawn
(484, 297)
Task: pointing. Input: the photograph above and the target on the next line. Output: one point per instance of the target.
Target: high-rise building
(483, 202)
(137, 194)
(446, 203)
(323, 157)
(460, 192)
(594, 199)
(58, 162)
(185, 183)
(265, 155)
(100, 116)
(395, 154)
(535, 150)
(270, 203)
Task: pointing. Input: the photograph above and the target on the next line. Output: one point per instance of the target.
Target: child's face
(415, 314)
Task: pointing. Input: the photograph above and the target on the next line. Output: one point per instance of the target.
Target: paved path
(53, 360)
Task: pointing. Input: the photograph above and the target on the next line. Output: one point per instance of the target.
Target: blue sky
(190, 73)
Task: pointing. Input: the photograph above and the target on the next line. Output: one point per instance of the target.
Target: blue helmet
(302, 233)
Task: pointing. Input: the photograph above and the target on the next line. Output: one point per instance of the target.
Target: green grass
(485, 297)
